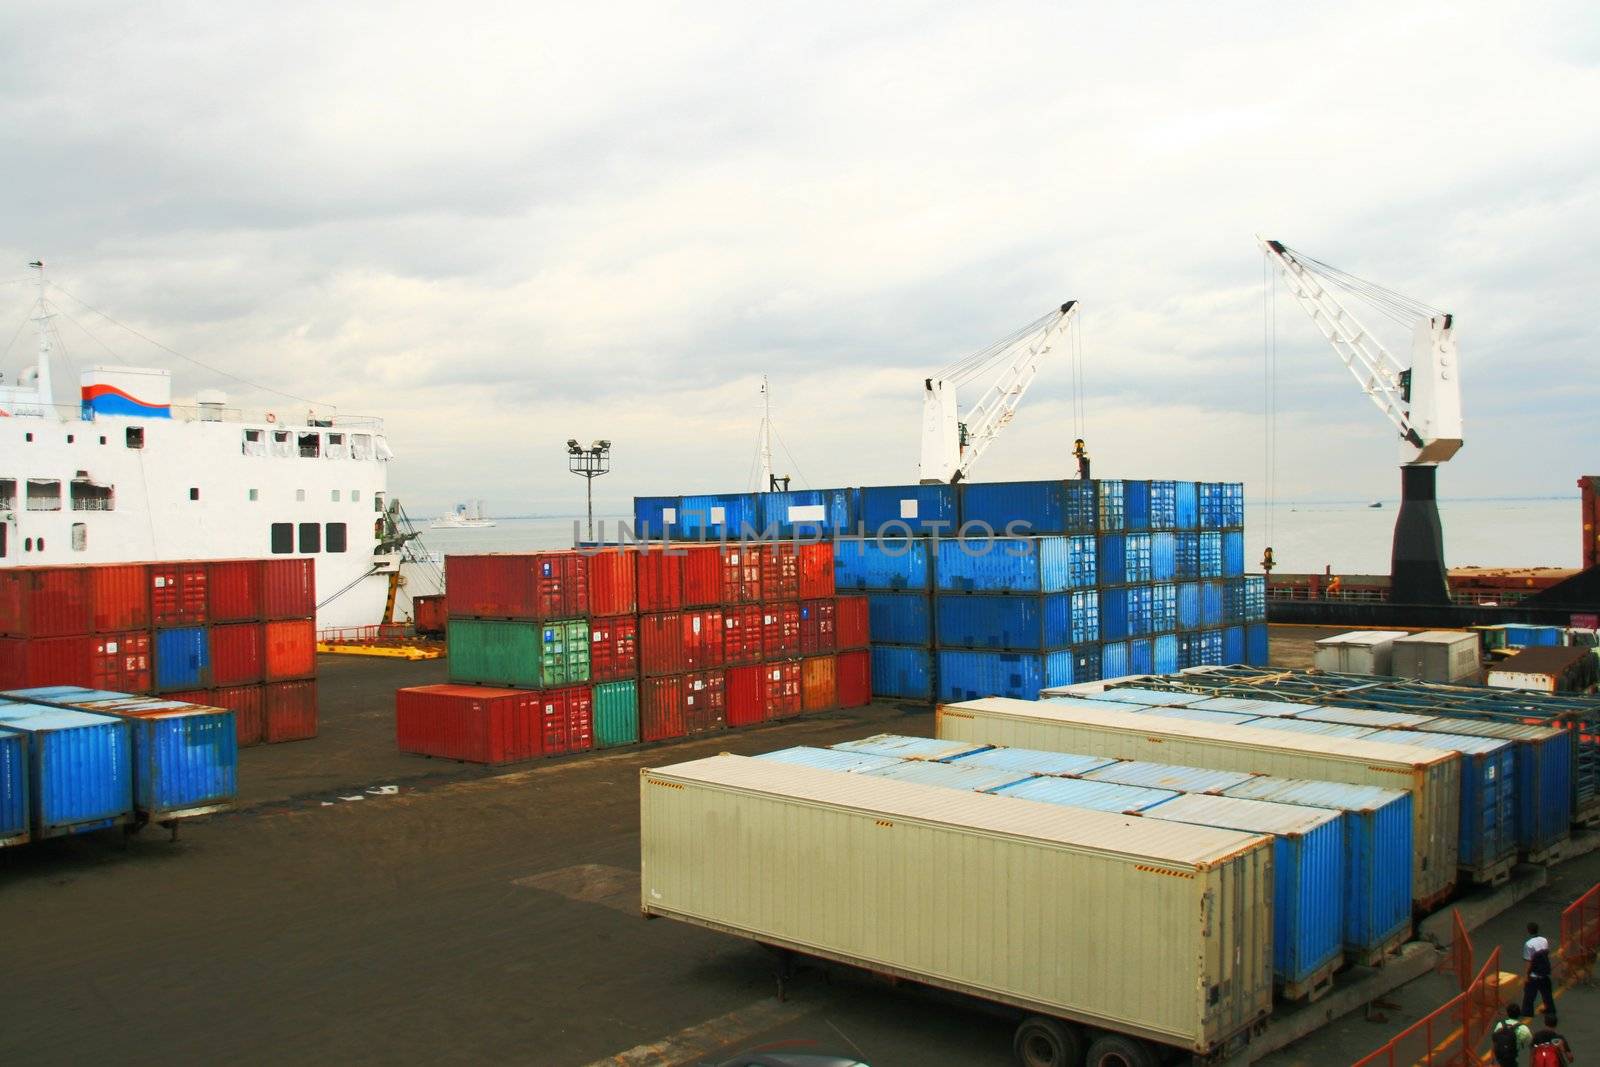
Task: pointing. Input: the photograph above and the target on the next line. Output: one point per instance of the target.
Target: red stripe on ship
(95, 392)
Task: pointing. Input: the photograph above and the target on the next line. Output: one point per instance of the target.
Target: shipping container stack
(556, 652)
(237, 634)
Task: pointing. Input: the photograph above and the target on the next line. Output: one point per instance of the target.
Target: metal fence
(1580, 938)
(1454, 1034)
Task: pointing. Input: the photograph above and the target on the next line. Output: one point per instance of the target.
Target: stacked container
(238, 634)
(626, 644)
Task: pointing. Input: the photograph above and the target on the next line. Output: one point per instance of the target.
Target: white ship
(464, 517)
(125, 474)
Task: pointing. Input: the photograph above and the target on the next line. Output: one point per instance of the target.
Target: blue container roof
(70, 694)
(31, 717)
(1150, 698)
(1325, 729)
(925, 748)
(1236, 813)
(1511, 731)
(1315, 794)
(1032, 761)
(830, 759)
(1385, 720)
(1229, 718)
(1271, 709)
(1081, 793)
(1448, 742)
(1169, 776)
(948, 775)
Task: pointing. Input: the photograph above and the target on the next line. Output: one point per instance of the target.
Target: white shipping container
(1357, 652)
(1095, 728)
(971, 892)
(1449, 657)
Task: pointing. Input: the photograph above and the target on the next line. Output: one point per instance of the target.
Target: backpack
(1545, 1055)
(1505, 1042)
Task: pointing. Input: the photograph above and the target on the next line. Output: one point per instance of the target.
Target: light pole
(589, 463)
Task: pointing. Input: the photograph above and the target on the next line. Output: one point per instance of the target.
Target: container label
(908, 509)
(807, 513)
(718, 515)
(669, 514)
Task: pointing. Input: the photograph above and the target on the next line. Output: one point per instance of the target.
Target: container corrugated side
(612, 580)
(185, 756)
(494, 652)
(117, 596)
(478, 724)
(13, 788)
(805, 511)
(182, 658)
(900, 618)
(45, 602)
(80, 768)
(1546, 762)
(884, 564)
(1019, 622)
(655, 517)
(1378, 851)
(904, 510)
(902, 672)
(967, 673)
(616, 713)
(289, 588)
(1433, 777)
(717, 516)
(1308, 878)
(907, 867)
(1488, 837)
(1015, 565)
(854, 671)
(234, 589)
(1049, 507)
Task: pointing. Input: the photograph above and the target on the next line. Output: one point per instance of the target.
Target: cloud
(518, 224)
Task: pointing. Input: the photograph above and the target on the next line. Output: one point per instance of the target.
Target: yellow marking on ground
(692, 1044)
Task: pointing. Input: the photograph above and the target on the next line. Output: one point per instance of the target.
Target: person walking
(1550, 1048)
(1509, 1037)
(1536, 952)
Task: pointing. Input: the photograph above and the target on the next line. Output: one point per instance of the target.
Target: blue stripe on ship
(112, 404)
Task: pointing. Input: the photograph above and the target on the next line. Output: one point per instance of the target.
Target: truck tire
(1114, 1050)
(1044, 1042)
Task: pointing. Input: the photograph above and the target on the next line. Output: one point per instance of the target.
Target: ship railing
(1467, 598)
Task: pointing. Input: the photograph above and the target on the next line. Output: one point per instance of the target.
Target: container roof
(1542, 659)
(1450, 742)
(828, 759)
(1322, 729)
(1270, 709)
(1169, 776)
(1364, 717)
(1081, 793)
(1360, 638)
(30, 717)
(1151, 698)
(1235, 813)
(1233, 718)
(1190, 846)
(64, 694)
(949, 775)
(909, 747)
(1316, 794)
(1032, 760)
(1437, 637)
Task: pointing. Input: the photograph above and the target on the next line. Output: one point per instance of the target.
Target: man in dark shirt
(1549, 1036)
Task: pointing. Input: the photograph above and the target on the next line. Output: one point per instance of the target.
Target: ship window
(310, 537)
(253, 445)
(194, 492)
(310, 445)
(8, 493)
(377, 501)
(282, 538)
(134, 436)
(88, 496)
(355, 496)
(299, 495)
(27, 544)
(27, 437)
(80, 536)
(44, 495)
(255, 494)
(335, 495)
(281, 445)
(361, 446)
(102, 438)
(70, 438)
(335, 446)
(334, 536)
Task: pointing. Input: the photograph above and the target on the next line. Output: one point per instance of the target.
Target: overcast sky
(502, 225)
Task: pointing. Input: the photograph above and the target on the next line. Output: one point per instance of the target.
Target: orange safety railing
(1452, 1035)
(1580, 937)
(1460, 960)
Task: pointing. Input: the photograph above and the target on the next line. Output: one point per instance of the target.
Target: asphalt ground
(363, 906)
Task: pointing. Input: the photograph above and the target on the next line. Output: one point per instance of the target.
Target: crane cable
(1269, 354)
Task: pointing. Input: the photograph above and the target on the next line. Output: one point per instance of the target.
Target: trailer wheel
(1044, 1042)
(1114, 1050)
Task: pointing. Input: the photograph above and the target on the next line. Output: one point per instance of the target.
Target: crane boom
(951, 444)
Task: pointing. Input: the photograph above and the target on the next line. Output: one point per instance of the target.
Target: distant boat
(464, 517)
(1376, 504)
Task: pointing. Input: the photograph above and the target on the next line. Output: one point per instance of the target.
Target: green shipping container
(527, 655)
(616, 714)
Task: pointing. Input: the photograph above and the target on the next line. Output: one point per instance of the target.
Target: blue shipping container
(1085, 663)
(1533, 636)
(1188, 596)
(1377, 853)
(1166, 654)
(1114, 621)
(1136, 565)
(1545, 762)
(1111, 554)
(881, 564)
(1136, 505)
(1114, 660)
(1113, 513)
(1141, 656)
(1210, 654)
(182, 658)
(1233, 554)
(1488, 839)
(1054, 507)
(1257, 650)
(1164, 505)
(1187, 549)
(1047, 621)
(906, 673)
(967, 674)
(1233, 644)
(80, 768)
(655, 517)
(900, 618)
(805, 511)
(1210, 554)
(13, 788)
(1211, 613)
(1308, 877)
(1014, 565)
(1163, 607)
(1221, 505)
(1186, 505)
(1163, 557)
(185, 756)
(1255, 598)
(891, 510)
(725, 516)
(1169, 776)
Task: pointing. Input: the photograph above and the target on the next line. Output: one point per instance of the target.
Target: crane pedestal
(1416, 569)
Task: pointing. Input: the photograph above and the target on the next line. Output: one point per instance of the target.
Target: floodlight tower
(589, 464)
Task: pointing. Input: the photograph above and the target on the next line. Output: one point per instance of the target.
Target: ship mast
(766, 436)
(41, 320)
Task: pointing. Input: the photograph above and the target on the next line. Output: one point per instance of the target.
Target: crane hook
(1267, 561)
(1082, 455)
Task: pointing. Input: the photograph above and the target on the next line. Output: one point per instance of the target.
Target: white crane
(951, 442)
(1422, 401)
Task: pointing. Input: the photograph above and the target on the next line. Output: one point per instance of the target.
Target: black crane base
(1416, 569)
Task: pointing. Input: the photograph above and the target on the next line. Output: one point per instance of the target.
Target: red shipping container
(850, 622)
(120, 662)
(290, 649)
(427, 615)
(853, 677)
(661, 708)
(816, 627)
(614, 648)
(781, 681)
(45, 602)
(661, 643)
(177, 593)
(816, 570)
(25, 662)
(702, 576)
(613, 582)
(705, 703)
(289, 588)
(236, 652)
(702, 639)
(475, 723)
(568, 719)
(248, 704)
(486, 586)
(818, 684)
(118, 597)
(659, 572)
(780, 631)
(290, 711)
(203, 697)
(741, 574)
(741, 634)
(747, 695)
(560, 585)
(234, 587)
(780, 571)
